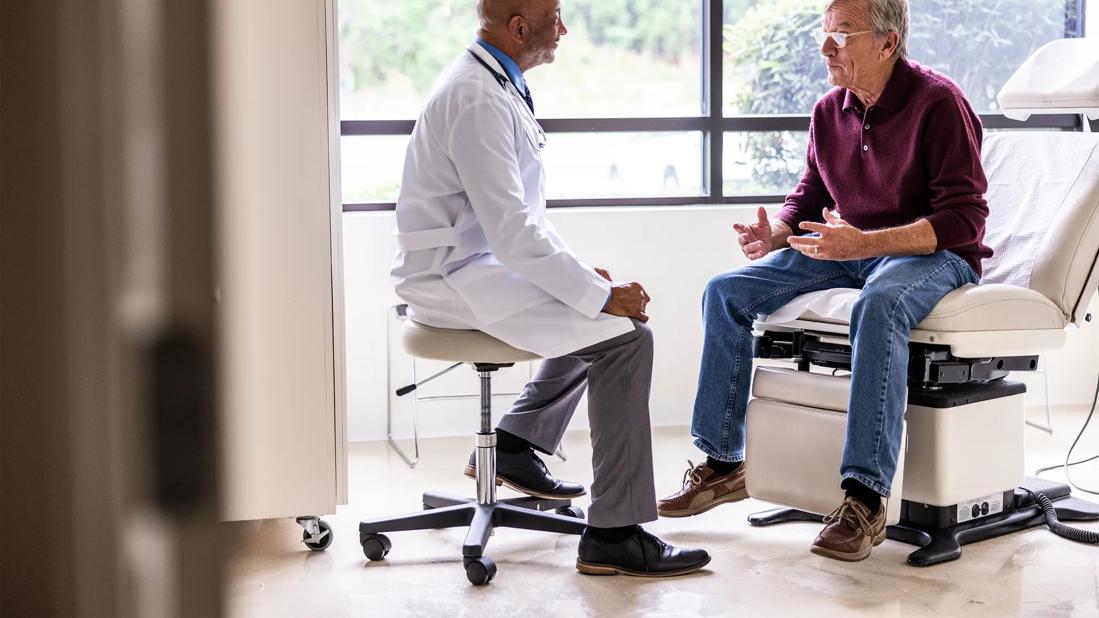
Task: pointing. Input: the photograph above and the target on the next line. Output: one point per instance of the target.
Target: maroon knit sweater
(915, 154)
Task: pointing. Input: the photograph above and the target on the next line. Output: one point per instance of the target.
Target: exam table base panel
(943, 544)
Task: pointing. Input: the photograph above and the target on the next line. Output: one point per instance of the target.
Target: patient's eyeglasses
(839, 38)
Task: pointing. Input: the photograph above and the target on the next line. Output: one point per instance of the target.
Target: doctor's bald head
(526, 30)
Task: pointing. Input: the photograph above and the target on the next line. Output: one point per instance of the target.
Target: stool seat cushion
(459, 346)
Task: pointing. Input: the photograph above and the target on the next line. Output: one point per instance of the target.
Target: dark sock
(510, 443)
(870, 498)
(610, 535)
(722, 467)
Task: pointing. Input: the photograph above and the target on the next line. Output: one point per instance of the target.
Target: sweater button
(867, 127)
(865, 148)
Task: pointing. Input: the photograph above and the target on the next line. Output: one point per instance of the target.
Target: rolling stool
(486, 354)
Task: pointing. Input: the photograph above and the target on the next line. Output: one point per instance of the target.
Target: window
(657, 102)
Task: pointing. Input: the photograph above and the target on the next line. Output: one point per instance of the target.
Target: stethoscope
(504, 83)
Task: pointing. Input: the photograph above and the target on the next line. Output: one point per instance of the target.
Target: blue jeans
(897, 293)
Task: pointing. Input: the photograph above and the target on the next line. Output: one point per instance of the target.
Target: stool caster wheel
(375, 546)
(480, 570)
(322, 540)
(570, 511)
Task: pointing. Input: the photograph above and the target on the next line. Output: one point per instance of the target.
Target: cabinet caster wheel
(480, 571)
(570, 511)
(322, 541)
(375, 546)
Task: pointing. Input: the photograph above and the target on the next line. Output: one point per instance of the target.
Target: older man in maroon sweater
(891, 202)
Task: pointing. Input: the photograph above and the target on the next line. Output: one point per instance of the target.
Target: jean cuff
(878, 487)
(710, 452)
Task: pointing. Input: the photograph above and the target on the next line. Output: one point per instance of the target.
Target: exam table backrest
(1043, 221)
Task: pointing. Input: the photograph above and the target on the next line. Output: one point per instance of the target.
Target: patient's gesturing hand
(838, 240)
(628, 300)
(755, 239)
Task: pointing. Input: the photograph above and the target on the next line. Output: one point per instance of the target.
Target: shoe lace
(854, 512)
(538, 462)
(693, 475)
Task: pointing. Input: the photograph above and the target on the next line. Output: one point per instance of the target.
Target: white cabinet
(280, 286)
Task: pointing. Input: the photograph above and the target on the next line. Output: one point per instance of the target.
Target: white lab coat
(475, 248)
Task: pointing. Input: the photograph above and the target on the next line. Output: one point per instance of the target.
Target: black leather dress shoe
(641, 554)
(527, 473)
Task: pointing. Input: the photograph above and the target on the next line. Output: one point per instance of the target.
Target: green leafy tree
(413, 38)
(776, 65)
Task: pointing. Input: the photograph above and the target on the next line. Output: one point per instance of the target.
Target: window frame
(712, 124)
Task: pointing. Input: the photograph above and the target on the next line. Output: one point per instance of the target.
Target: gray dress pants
(617, 374)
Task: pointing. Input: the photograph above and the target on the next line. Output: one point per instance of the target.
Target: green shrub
(775, 65)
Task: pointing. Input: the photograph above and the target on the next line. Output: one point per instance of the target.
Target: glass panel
(392, 51)
(595, 165)
(371, 166)
(772, 65)
(763, 162)
(979, 44)
(624, 58)
(578, 165)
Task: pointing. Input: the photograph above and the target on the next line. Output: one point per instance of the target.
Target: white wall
(672, 251)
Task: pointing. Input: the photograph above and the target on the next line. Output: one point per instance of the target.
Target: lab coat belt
(428, 239)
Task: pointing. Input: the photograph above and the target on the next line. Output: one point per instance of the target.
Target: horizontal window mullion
(550, 125)
(766, 122)
(771, 122)
(370, 207)
(1043, 121)
(666, 201)
(696, 200)
(377, 127)
(624, 125)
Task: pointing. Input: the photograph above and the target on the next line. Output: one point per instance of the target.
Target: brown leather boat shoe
(703, 489)
(850, 532)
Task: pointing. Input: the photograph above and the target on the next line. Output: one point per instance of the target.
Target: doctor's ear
(517, 26)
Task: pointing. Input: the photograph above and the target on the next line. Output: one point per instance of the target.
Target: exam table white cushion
(985, 307)
(975, 320)
(1043, 221)
(1063, 75)
(1043, 226)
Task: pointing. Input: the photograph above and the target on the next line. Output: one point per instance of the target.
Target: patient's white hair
(888, 16)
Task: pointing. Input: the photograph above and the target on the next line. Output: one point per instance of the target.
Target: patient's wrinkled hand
(755, 239)
(628, 300)
(837, 240)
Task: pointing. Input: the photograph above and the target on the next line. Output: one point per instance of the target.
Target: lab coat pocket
(493, 292)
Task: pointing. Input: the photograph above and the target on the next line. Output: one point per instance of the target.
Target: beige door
(107, 338)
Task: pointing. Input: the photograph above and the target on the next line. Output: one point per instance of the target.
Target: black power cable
(1050, 512)
(1060, 529)
(1068, 455)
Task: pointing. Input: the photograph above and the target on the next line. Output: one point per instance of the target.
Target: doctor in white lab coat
(476, 251)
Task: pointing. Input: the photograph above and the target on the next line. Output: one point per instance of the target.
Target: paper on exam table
(1025, 194)
(824, 306)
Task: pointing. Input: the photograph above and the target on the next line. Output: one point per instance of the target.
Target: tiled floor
(755, 571)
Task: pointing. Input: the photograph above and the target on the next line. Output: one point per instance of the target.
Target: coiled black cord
(1060, 529)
